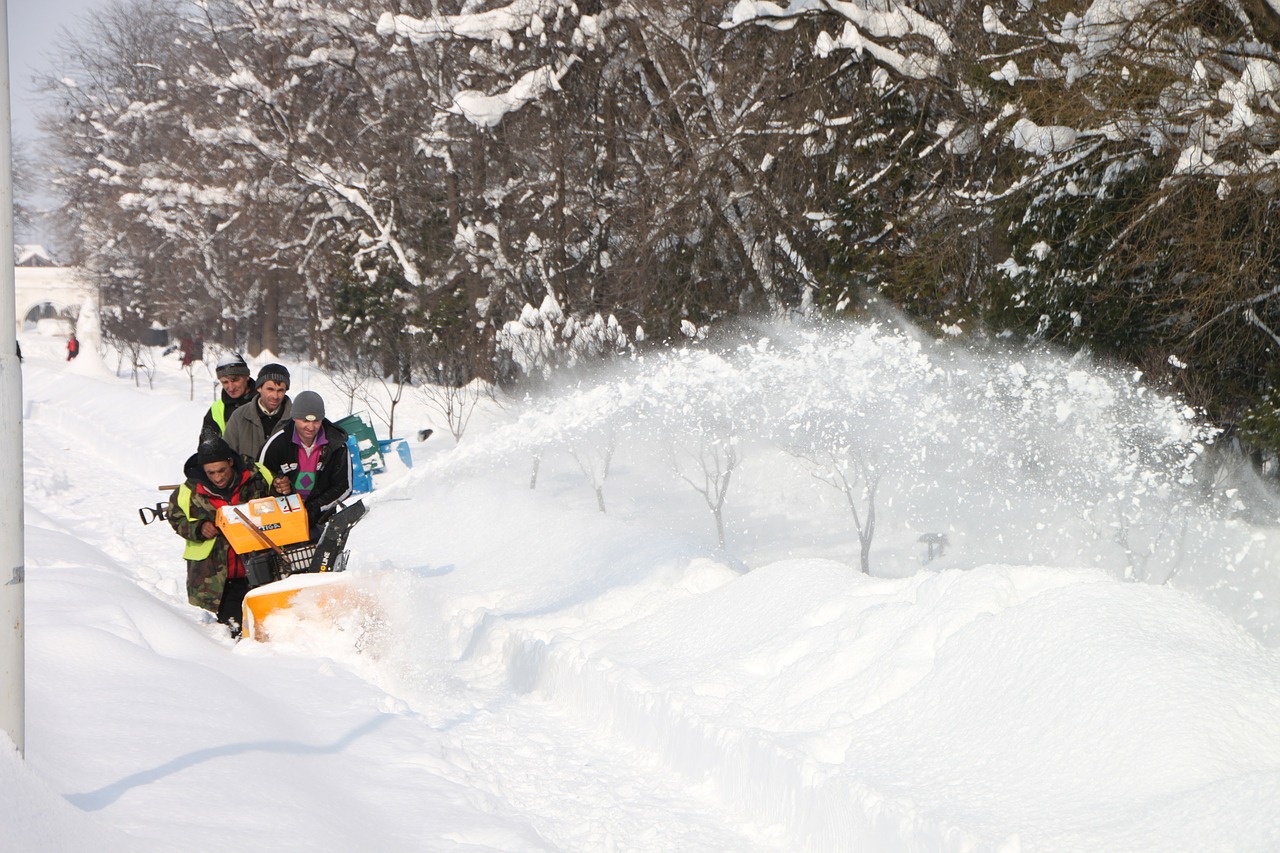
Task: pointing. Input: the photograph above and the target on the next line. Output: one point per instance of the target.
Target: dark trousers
(231, 607)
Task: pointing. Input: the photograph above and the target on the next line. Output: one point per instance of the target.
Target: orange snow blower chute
(329, 594)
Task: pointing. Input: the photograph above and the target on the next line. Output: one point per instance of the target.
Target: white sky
(34, 25)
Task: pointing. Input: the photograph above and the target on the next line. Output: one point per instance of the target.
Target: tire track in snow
(779, 800)
(592, 791)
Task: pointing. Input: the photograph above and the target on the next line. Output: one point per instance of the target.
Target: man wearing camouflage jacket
(216, 477)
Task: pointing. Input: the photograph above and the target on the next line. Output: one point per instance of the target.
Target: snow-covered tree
(1089, 172)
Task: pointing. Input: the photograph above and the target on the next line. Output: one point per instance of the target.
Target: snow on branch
(488, 110)
(1028, 136)
(866, 27)
(321, 56)
(322, 176)
(1251, 317)
(545, 338)
(493, 25)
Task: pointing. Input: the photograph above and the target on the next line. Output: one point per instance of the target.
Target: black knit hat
(233, 365)
(273, 373)
(215, 450)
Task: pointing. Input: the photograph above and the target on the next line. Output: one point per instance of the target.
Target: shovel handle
(169, 488)
(248, 522)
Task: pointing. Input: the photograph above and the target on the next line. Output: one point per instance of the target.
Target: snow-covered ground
(1089, 665)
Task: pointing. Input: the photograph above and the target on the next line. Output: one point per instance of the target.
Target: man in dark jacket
(309, 456)
(216, 477)
(250, 426)
(238, 388)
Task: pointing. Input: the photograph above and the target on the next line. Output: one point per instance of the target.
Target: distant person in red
(73, 347)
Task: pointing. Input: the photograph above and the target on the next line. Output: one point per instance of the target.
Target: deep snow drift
(1088, 665)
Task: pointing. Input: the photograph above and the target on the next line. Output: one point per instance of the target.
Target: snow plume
(89, 333)
(1017, 456)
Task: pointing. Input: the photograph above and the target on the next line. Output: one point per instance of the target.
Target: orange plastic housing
(283, 520)
(327, 594)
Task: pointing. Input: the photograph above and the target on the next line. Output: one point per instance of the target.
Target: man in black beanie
(238, 388)
(250, 427)
(216, 477)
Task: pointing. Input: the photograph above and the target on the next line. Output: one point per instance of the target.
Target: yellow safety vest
(201, 550)
(219, 412)
(194, 550)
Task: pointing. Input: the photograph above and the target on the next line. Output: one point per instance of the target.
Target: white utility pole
(12, 580)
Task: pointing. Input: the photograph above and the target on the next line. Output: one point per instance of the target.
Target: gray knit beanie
(308, 406)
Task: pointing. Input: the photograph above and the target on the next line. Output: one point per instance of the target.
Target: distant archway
(47, 310)
(48, 297)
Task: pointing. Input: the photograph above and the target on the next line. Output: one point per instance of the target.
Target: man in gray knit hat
(309, 457)
(250, 427)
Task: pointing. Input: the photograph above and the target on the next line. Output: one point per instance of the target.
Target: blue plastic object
(361, 478)
(367, 452)
(402, 449)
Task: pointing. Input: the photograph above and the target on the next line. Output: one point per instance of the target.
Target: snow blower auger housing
(280, 561)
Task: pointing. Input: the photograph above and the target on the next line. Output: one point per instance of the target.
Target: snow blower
(280, 559)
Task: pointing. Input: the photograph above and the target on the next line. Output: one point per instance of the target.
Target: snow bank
(1001, 705)
(534, 674)
(36, 817)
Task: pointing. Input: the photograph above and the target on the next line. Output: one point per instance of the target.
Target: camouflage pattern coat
(210, 561)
